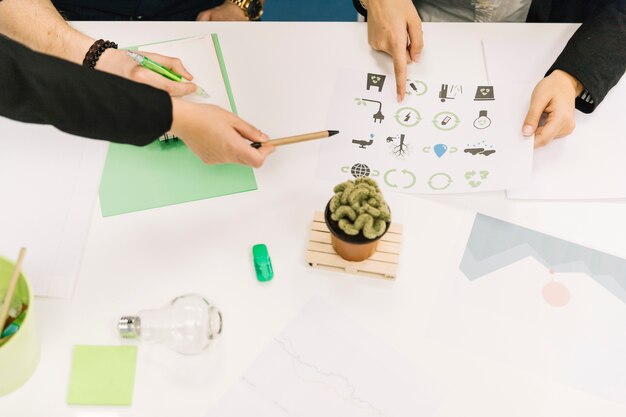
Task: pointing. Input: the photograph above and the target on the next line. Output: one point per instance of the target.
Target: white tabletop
(282, 76)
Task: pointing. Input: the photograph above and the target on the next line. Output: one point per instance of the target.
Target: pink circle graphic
(556, 294)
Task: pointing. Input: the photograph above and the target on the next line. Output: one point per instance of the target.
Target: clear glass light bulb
(187, 324)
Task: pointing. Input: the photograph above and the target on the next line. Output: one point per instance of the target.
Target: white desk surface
(282, 76)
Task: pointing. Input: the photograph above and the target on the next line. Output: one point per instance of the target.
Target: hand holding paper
(555, 95)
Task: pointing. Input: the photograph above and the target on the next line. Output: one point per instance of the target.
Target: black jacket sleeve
(37, 88)
(596, 53)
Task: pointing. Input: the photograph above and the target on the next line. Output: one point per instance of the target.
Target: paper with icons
(443, 137)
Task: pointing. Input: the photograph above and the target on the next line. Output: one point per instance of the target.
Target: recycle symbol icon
(407, 176)
(475, 179)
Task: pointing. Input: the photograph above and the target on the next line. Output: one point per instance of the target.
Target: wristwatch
(252, 8)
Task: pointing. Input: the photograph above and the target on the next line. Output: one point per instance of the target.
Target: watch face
(254, 9)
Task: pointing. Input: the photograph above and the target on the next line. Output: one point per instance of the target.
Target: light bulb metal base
(129, 327)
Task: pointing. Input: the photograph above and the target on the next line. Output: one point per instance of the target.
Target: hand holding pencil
(295, 139)
(216, 135)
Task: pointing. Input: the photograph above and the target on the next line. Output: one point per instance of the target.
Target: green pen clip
(160, 69)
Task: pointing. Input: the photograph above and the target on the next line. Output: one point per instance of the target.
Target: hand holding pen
(168, 74)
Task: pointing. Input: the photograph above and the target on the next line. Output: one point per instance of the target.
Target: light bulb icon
(482, 121)
(187, 324)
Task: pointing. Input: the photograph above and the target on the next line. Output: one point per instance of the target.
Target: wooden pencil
(295, 139)
(11, 289)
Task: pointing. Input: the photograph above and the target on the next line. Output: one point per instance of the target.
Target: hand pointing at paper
(394, 27)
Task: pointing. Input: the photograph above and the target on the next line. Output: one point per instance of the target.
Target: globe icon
(360, 170)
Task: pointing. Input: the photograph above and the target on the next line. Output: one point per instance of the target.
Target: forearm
(38, 25)
(41, 89)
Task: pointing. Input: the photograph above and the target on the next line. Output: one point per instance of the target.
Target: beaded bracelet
(96, 50)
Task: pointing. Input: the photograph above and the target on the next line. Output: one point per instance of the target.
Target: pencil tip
(332, 132)
(256, 145)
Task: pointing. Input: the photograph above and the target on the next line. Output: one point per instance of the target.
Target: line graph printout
(323, 365)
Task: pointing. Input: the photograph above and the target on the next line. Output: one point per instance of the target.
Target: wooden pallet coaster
(382, 264)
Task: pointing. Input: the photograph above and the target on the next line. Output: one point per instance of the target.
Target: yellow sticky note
(102, 375)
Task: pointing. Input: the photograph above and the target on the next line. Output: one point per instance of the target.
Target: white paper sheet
(443, 138)
(589, 163)
(323, 365)
(49, 182)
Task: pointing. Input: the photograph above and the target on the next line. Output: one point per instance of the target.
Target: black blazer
(596, 53)
(37, 88)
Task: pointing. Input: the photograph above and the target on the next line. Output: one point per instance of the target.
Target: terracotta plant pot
(351, 248)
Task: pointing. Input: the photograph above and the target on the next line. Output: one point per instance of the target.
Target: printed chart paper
(161, 174)
(323, 365)
(537, 303)
(443, 138)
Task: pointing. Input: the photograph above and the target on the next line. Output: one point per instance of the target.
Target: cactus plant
(359, 207)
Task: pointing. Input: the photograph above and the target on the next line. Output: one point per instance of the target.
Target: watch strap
(247, 5)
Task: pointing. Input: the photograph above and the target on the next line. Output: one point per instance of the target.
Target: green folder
(157, 175)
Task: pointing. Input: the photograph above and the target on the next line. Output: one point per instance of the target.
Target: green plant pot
(351, 248)
(19, 355)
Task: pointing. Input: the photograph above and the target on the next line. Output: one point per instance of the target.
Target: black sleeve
(596, 53)
(37, 88)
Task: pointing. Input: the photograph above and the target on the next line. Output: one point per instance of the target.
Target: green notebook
(140, 178)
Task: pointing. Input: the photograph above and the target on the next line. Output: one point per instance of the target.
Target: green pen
(147, 63)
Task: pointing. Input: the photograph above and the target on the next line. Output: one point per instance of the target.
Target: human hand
(394, 27)
(119, 63)
(225, 12)
(554, 96)
(218, 136)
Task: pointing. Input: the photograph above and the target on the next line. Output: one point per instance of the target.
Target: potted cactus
(357, 217)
